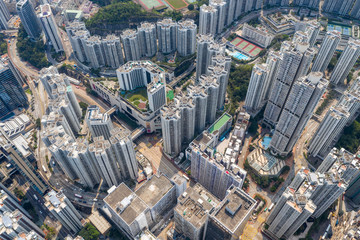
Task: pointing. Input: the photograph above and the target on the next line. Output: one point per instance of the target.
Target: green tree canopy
(89, 232)
(31, 51)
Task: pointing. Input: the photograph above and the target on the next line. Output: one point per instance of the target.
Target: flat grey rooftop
(235, 207)
(154, 189)
(132, 210)
(195, 204)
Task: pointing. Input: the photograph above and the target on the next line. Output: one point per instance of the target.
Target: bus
(186, 177)
(44, 168)
(78, 196)
(271, 206)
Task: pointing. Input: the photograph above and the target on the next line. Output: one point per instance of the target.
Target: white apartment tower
(211, 85)
(208, 20)
(273, 62)
(147, 39)
(131, 45)
(219, 71)
(4, 16)
(258, 87)
(296, 58)
(50, 28)
(113, 55)
(220, 6)
(61, 207)
(200, 98)
(326, 51)
(99, 124)
(93, 51)
(171, 129)
(350, 101)
(166, 34)
(186, 37)
(202, 55)
(303, 98)
(313, 30)
(346, 61)
(156, 93)
(82, 163)
(77, 40)
(293, 213)
(328, 132)
(123, 149)
(187, 109)
(105, 162)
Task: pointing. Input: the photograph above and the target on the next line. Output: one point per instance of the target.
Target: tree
(83, 107)
(31, 51)
(175, 15)
(19, 194)
(89, 232)
(38, 123)
(191, 7)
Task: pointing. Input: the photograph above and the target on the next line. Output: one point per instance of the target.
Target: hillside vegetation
(119, 13)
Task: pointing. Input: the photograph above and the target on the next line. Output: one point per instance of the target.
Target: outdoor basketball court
(247, 47)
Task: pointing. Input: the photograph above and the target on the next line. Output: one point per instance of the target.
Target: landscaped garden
(138, 98)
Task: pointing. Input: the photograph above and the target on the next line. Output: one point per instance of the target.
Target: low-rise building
(133, 212)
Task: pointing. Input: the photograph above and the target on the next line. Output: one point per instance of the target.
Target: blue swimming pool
(239, 56)
(266, 141)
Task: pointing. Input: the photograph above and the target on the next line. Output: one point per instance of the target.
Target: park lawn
(177, 4)
(138, 94)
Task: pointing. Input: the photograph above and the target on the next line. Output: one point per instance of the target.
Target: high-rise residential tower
(93, 51)
(113, 55)
(48, 23)
(64, 211)
(326, 51)
(105, 161)
(123, 149)
(329, 131)
(147, 39)
(208, 20)
(303, 98)
(296, 59)
(220, 6)
(28, 18)
(131, 45)
(99, 124)
(258, 87)
(346, 61)
(186, 37)
(171, 129)
(202, 59)
(166, 34)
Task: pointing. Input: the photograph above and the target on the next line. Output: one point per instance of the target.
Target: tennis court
(236, 41)
(150, 4)
(246, 47)
(345, 30)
